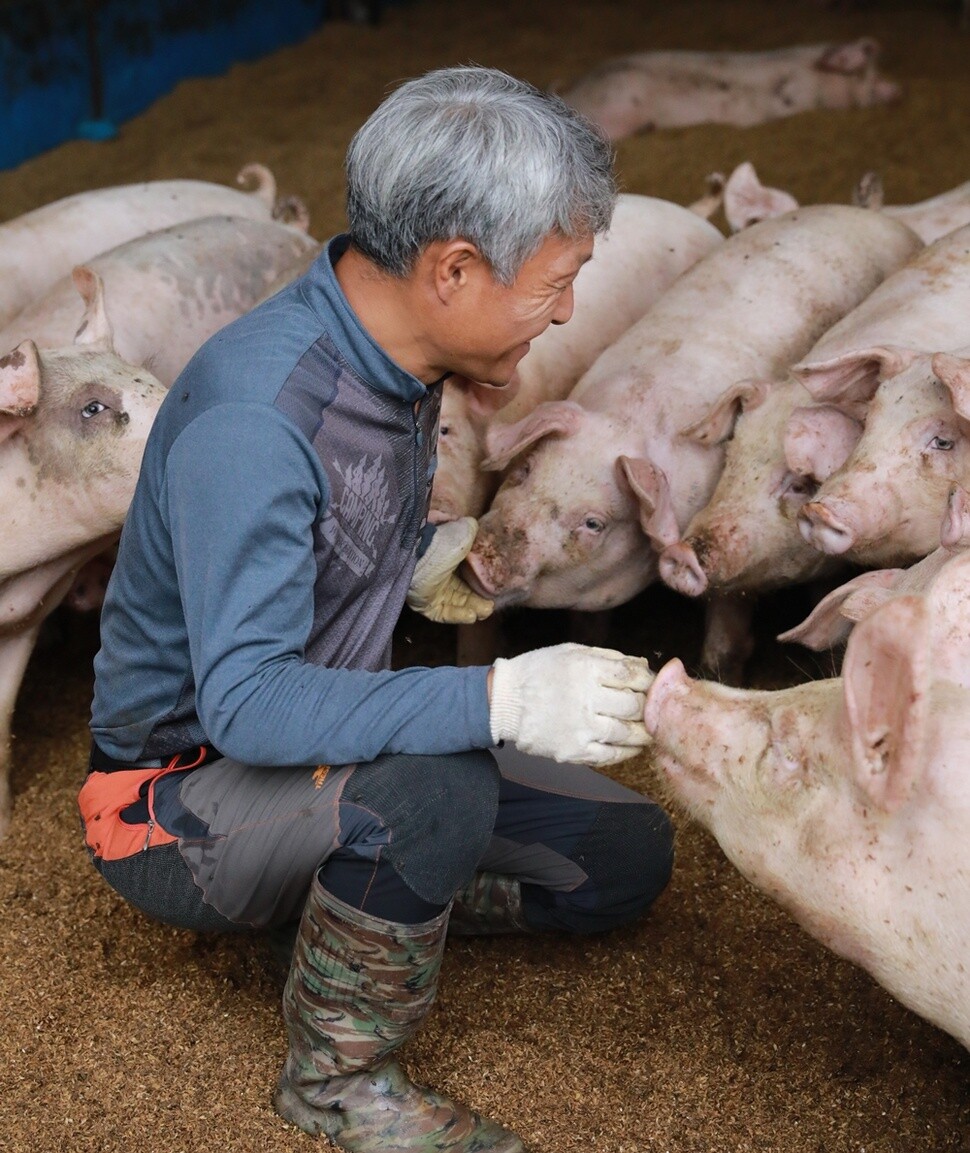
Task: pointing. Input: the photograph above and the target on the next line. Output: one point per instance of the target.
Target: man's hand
(571, 703)
(436, 590)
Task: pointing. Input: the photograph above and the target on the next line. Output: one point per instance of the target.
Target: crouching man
(256, 763)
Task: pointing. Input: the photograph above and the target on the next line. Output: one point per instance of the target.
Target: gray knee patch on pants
(439, 811)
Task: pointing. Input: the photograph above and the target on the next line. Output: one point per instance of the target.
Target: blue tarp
(81, 67)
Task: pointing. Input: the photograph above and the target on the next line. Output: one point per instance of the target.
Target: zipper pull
(148, 835)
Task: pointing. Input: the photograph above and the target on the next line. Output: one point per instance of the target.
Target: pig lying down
(42, 246)
(848, 800)
(73, 425)
(651, 90)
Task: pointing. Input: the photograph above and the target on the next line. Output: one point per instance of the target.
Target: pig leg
(15, 650)
(728, 640)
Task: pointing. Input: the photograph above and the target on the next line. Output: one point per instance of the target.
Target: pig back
(169, 291)
(43, 245)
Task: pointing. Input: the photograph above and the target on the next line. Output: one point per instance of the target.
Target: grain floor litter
(715, 1025)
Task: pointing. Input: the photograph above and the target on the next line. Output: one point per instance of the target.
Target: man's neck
(390, 309)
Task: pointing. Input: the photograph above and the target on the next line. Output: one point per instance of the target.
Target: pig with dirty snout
(606, 479)
(650, 242)
(73, 425)
(847, 800)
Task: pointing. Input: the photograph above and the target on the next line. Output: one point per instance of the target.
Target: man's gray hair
(475, 153)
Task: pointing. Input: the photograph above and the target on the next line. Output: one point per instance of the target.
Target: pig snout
(669, 684)
(824, 526)
(681, 569)
(494, 569)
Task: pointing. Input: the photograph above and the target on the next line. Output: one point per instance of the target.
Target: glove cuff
(505, 711)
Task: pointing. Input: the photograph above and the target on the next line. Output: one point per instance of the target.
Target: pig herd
(796, 399)
(728, 414)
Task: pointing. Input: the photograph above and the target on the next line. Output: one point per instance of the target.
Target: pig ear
(553, 418)
(712, 200)
(717, 425)
(851, 379)
(818, 440)
(953, 373)
(650, 487)
(19, 387)
(484, 400)
(851, 58)
(95, 329)
(747, 200)
(868, 193)
(832, 618)
(885, 682)
(955, 530)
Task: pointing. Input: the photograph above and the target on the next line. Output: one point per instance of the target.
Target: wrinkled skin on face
(846, 800)
(650, 242)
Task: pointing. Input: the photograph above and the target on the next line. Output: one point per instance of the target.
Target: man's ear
(454, 263)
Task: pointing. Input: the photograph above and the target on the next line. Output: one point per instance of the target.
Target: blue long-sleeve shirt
(268, 549)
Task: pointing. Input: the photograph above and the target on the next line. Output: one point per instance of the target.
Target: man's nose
(564, 307)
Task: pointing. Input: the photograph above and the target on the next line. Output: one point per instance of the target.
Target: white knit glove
(436, 591)
(571, 703)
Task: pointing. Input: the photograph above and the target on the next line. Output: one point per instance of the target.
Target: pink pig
(167, 291)
(607, 479)
(42, 246)
(831, 621)
(847, 800)
(746, 201)
(883, 506)
(649, 244)
(673, 89)
(780, 447)
(73, 424)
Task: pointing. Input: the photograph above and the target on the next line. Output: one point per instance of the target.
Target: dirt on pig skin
(714, 1025)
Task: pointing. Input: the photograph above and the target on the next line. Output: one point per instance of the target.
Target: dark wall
(80, 67)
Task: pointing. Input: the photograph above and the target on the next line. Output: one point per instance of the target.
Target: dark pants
(398, 837)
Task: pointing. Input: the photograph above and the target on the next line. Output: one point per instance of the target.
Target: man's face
(488, 327)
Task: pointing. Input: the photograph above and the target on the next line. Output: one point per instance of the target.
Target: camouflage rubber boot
(358, 988)
(489, 904)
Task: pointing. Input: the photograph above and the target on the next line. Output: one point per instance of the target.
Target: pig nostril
(822, 529)
(681, 570)
(473, 571)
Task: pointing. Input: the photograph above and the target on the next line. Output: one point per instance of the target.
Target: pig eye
(942, 443)
(444, 430)
(594, 524)
(92, 408)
